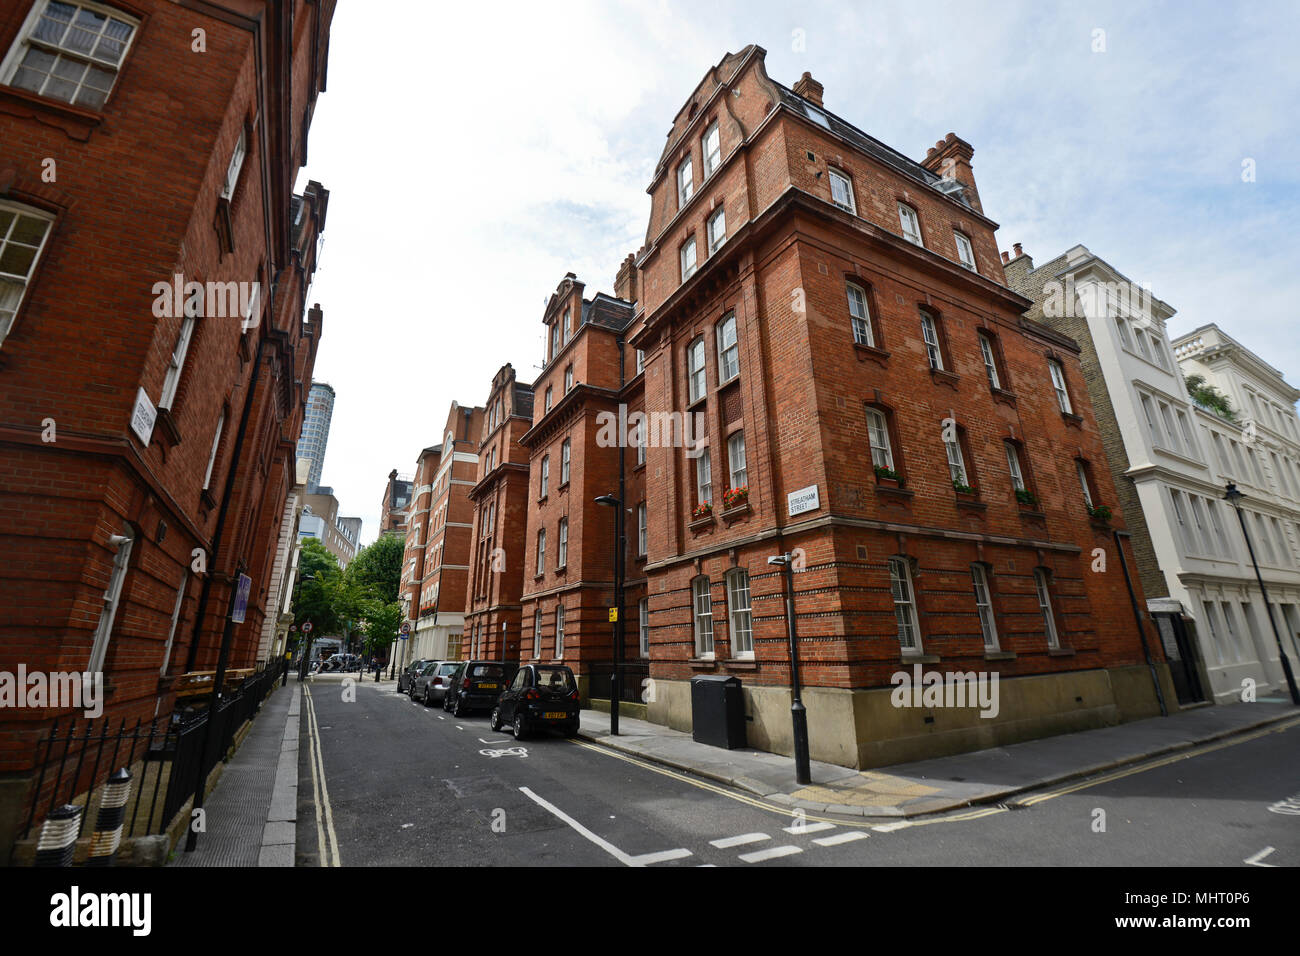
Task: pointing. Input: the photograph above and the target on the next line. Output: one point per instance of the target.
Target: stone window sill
(919, 659)
(864, 352)
(742, 664)
(1060, 652)
(703, 663)
(1074, 421)
(999, 655)
(943, 377)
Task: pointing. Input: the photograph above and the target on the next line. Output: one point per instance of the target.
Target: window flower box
(965, 491)
(1027, 499)
(735, 497)
(1100, 514)
(888, 477)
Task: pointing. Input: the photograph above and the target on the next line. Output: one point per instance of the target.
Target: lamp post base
(802, 767)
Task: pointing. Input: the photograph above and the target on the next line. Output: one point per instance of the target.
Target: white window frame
(860, 315)
(882, 453)
(26, 40)
(956, 462)
(716, 229)
(1057, 372)
(704, 478)
(739, 474)
(904, 596)
(695, 371)
(642, 529)
(910, 224)
(990, 360)
(547, 407)
(702, 614)
(8, 316)
(740, 619)
(984, 606)
(175, 622)
(838, 178)
(566, 459)
(685, 182)
(122, 544)
(568, 378)
(545, 481)
(643, 613)
(236, 165)
(212, 453)
(537, 632)
(541, 551)
(1083, 482)
(176, 365)
(965, 251)
(1045, 607)
(930, 336)
(1013, 467)
(562, 544)
(712, 153)
(728, 349)
(1125, 339)
(689, 262)
(559, 632)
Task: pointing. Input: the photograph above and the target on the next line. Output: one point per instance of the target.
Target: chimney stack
(625, 284)
(1019, 252)
(1006, 257)
(809, 89)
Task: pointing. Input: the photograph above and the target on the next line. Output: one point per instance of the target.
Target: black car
(408, 673)
(477, 686)
(541, 696)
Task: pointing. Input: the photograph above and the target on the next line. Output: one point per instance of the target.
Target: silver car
(431, 684)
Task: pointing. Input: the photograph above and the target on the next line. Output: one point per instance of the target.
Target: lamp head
(777, 559)
(1232, 495)
(608, 500)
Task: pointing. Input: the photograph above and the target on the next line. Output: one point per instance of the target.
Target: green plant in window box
(889, 474)
(1026, 497)
(702, 511)
(1100, 513)
(961, 489)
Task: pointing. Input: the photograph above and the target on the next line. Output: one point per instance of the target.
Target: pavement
(940, 784)
(251, 815)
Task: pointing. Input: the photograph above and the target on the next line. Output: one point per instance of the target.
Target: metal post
(1233, 495)
(798, 713)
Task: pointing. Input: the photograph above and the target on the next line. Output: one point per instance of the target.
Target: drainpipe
(1137, 616)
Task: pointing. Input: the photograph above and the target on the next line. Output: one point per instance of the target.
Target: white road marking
(1255, 860)
(758, 856)
(801, 828)
(503, 740)
(648, 858)
(891, 827)
(727, 842)
(317, 757)
(440, 717)
(624, 858)
(846, 837)
(459, 727)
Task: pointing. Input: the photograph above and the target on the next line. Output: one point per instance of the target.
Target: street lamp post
(617, 504)
(798, 713)
(1233, 497)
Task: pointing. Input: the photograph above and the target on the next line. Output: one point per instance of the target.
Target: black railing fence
(632, 675)
(164, 756)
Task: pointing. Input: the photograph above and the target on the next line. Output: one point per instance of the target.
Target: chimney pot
(1006, 257)
(1019, 252)
(809, 89)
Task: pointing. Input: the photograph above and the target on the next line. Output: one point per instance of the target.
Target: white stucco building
(1172, 458)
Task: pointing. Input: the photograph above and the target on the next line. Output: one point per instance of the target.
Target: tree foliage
(377, 568)
(359, 600)
(1210, 397)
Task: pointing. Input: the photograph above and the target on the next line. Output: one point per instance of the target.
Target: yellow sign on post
(613, 614)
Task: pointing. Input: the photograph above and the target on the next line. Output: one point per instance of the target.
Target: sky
(474, 155)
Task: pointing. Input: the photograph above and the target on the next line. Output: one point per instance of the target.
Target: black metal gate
(1180, 650)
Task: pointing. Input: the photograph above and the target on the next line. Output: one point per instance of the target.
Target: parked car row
(527, 698)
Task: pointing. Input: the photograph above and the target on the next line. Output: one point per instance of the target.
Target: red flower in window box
(733, 497)
(702, 511)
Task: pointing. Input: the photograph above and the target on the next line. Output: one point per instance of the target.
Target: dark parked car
(431, 684)
(478, 685)
(541, 696)
(408, 674)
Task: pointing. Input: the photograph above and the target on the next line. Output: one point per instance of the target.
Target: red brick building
(395, 507)
(147, 426)
(835, 316)
(500, 519)
(438, 538)
(568, 571)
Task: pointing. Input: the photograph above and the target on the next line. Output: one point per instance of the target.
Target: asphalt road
(386, 782)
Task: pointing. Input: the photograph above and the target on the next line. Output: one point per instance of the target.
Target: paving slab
(942, 783)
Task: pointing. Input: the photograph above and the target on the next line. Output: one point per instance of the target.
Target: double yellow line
(327, 840)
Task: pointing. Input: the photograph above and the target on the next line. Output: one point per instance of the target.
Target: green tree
(319, 579)
(1210, 397)
(377, 568)
(380, 623)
